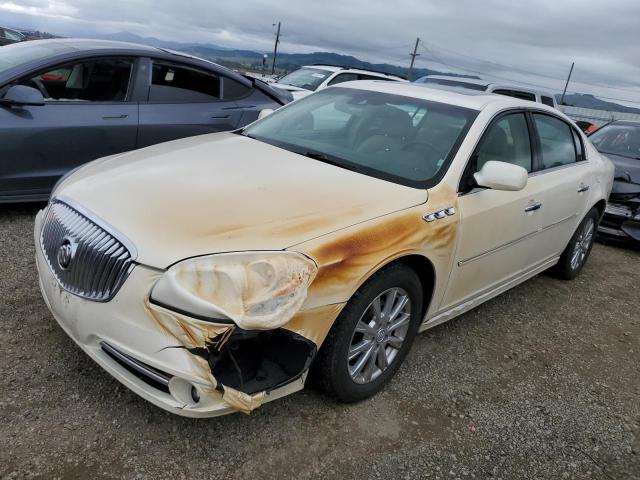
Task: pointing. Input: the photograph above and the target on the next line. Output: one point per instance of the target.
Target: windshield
(618, 139)
(307, 78)
(407, 140)
(17, 54)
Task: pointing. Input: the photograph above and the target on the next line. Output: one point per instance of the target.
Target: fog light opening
(195, 395)
(184, 391)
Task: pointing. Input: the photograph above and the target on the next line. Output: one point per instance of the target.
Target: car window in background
(616, 139)
(455, 83)
(393, 137)
(307, 78)
(104, 80)
(507, 141)
(234, 90)
(556, 140)
(174, 83)
(547, 101)
(344, 77)
(13, 36)
(516, 94)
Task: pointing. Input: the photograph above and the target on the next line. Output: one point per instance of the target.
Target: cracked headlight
(257, 290)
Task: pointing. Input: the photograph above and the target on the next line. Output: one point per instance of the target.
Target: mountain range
(286, 62)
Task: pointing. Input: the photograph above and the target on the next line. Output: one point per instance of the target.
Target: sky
(532, 41)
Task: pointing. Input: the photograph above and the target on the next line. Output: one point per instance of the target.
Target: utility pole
(413, 58)
(275, 49)
(567, 84)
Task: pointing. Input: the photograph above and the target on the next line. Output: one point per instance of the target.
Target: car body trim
(461, 263)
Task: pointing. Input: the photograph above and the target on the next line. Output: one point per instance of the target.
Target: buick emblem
(66, 252)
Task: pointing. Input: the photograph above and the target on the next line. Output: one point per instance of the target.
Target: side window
(181, 83)
(103, 80)
(556, 140)
(507, 140)
(234, 90)
(547, 100)
(343, 77)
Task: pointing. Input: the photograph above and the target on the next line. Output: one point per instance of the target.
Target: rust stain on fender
(347, 258)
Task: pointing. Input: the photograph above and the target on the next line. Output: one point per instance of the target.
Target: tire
(577, 252)
(332, 370)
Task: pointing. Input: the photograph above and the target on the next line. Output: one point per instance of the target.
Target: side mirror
(22, 96)
(501, 176)
(264, 113)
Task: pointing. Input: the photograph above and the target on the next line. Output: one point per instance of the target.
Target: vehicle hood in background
(629, 169)
(225, 192)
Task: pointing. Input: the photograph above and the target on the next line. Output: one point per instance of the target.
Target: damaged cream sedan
(215, 273)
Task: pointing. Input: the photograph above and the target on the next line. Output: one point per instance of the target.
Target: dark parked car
(8, 36)
(65, 102)
(620, 141)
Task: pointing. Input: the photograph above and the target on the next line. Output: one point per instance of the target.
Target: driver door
(87, 115)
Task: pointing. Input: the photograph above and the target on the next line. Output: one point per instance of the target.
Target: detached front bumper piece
(187, 366)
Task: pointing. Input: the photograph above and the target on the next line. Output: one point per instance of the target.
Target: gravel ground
(542, 382)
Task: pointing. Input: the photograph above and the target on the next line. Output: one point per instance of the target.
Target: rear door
(184, 101)
(87, 114)
(564, 177)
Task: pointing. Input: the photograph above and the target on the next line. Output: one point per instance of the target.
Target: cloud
(532, 42)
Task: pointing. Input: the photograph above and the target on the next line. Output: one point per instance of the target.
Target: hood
(625, 165)
(223, 193)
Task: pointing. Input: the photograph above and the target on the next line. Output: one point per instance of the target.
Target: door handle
(219, 117)
(115, 117)
(583, 188)
(533, 207)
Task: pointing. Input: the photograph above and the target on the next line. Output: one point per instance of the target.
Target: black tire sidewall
(340, 383)
(564, 265)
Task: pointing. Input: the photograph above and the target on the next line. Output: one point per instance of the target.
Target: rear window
(516, 94)
(455, 83)
(547, 100)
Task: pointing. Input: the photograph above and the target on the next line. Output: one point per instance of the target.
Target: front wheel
(577, 252)
(372, 335)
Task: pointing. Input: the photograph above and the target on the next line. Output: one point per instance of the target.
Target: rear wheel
(577, 252)
(373, 334)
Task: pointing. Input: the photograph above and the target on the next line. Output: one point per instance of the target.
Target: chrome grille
(86, 259)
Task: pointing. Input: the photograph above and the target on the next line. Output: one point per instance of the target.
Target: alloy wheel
(582, 244)
(379, 335)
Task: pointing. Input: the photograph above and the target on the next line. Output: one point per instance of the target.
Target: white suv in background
(311, 78)
(484, 86)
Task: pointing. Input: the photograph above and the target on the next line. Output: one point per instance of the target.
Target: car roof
(472, 99)
(74, 44)
(494, 85)
(335, 68)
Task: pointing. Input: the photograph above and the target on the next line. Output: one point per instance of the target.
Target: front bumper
(125, 325)
(620, 221)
